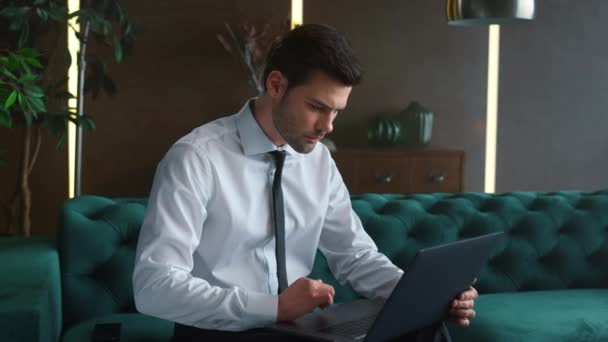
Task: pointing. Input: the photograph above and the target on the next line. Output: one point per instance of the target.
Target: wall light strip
(297, 13)
(492, 107)
(73, 47)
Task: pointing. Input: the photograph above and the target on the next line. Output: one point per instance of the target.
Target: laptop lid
(433, 279)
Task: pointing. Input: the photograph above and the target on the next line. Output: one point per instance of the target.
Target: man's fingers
(327, 301)
(462, 314)
(463, 304)
(327, 289)
(302, 297)
(332, 291)
(329, 292)
(463, 322)
(469, 294)
(323, 294)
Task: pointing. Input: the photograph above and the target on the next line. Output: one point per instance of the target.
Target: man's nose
(325, 124)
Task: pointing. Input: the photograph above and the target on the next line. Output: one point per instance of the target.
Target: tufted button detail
(553, 240)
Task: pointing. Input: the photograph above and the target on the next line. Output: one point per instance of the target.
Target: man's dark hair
(313, 47)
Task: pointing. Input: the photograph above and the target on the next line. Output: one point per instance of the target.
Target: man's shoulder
(216, 131)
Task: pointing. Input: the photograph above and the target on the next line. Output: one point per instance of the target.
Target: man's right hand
(303, 296)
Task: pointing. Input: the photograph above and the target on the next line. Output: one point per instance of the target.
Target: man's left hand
(461, 310)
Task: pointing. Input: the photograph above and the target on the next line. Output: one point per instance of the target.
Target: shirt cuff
(262, 308)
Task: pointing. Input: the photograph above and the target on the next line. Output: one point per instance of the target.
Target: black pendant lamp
(487, 12)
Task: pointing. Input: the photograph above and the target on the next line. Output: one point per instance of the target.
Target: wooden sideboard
(401, 170)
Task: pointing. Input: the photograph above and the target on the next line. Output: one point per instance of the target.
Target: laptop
(420, 299)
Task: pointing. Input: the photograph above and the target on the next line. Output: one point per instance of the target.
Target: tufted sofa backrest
(552, 241)
(97, 240)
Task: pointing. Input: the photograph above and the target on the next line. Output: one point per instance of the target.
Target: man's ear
(276, 84)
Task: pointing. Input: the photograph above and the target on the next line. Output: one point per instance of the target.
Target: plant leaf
(117, 50)
(28, 70)
(28, 52)
(106, 26)
(58, 13)
(34, 91)
(9, 74)
(43, 14)
(37, 104)
(8, 12)
(13, 62)
(10, 100)
(33, 62)
(25, 35)
(60, 142)
(128, 28)
(29, 77)
(120, 12)
(87, 123)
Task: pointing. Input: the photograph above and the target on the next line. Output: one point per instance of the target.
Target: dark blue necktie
(278, 216)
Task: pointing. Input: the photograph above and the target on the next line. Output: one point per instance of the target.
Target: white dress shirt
(206, 250)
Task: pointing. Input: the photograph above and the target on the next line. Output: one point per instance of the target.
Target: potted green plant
(33, 97)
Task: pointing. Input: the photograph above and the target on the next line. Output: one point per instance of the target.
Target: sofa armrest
(30, 290)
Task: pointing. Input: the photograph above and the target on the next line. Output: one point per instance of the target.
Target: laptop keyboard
(356, 329)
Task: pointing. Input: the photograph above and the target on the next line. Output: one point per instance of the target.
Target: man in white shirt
(209, 257)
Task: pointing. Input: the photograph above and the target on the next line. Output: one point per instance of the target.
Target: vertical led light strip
(492, 107)
(73, 47)
(297, 13)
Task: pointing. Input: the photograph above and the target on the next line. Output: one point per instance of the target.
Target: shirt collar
(253, 139)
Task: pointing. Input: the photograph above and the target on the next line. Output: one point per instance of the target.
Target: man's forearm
(371, 274)
(173, 294)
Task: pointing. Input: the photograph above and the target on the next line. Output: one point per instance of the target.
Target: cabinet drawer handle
(384, 179)
(437, 178)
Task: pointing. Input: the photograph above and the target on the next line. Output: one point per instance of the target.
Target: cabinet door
(436, 174)
(381, 174)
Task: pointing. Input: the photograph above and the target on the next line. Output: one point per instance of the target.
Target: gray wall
(553, 124)
(410, 53)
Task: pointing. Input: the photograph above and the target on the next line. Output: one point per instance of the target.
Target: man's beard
(287, 128)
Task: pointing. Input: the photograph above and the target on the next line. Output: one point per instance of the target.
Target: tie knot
(279, 157)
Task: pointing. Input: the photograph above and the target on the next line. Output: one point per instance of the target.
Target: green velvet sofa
(546, 281)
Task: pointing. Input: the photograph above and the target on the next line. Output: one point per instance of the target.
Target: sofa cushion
(561, 315)
(30, 294)
(97, 241)
(135, 327)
